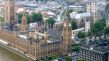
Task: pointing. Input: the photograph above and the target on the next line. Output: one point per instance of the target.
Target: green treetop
(98, 27)
(37, 17)
(51, 22)
(106, 31)
(80, 60)
(20, 17)
(74, 25)
(67, 58)
(81, 35)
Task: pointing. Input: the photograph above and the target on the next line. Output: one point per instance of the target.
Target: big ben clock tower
(67, 34)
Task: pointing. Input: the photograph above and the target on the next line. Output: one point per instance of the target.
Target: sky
(1, 0)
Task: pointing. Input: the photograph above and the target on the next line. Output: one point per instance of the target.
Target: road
(6, 55)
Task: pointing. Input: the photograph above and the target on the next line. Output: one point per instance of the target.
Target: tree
(19, 17)
(55, 56)
(74, 25)
(89, 33)
(75, 47)
(80, 60)
(81, 35)
(103, 21)
(37, 17)
(1, 20)
(71, 10)
(97, 28)
(80, 11)
(50, 58)
(51, 22)
(106, 31)
(43, 0)
(36, 0)
(67, 58)
(28, 19)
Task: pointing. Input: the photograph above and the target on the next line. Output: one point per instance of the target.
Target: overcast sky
(0, 0)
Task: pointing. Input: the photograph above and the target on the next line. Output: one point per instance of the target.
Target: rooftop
(101, 45)
(54, 34)
(80, 15)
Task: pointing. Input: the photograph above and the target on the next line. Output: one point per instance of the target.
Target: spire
(66, 11)
(67, 16)
(24, 25)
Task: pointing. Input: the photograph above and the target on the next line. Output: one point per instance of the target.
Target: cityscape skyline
(54, 30)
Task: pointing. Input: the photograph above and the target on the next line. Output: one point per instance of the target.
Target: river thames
(6, 55)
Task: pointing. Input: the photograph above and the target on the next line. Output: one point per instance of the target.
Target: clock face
(64, 24)
(69, 24)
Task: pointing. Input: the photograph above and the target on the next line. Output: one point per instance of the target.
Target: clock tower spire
(66, 34)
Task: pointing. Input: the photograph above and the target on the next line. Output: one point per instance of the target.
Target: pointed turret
(24, 25)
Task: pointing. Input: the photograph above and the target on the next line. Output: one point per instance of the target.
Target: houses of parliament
(40, 41)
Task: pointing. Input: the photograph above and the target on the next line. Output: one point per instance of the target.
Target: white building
(75, 32)
(77, 8)
(81, 18)
(86, 29)
(75, 15)
(87, 26)
(91, 7)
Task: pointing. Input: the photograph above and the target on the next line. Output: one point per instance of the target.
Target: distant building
(107, 21)
(77, 8)
(9, 11)
(1, 11)
(107, 10)
(81, 18)
(43, 41)
(91, 7)
(76, 31)
(87, 26)
(96, 50)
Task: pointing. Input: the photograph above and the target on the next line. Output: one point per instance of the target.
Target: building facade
(9, 11)
(59, 43)
(91, 7)
(24, 24)
(39, 43)
(98, 51)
